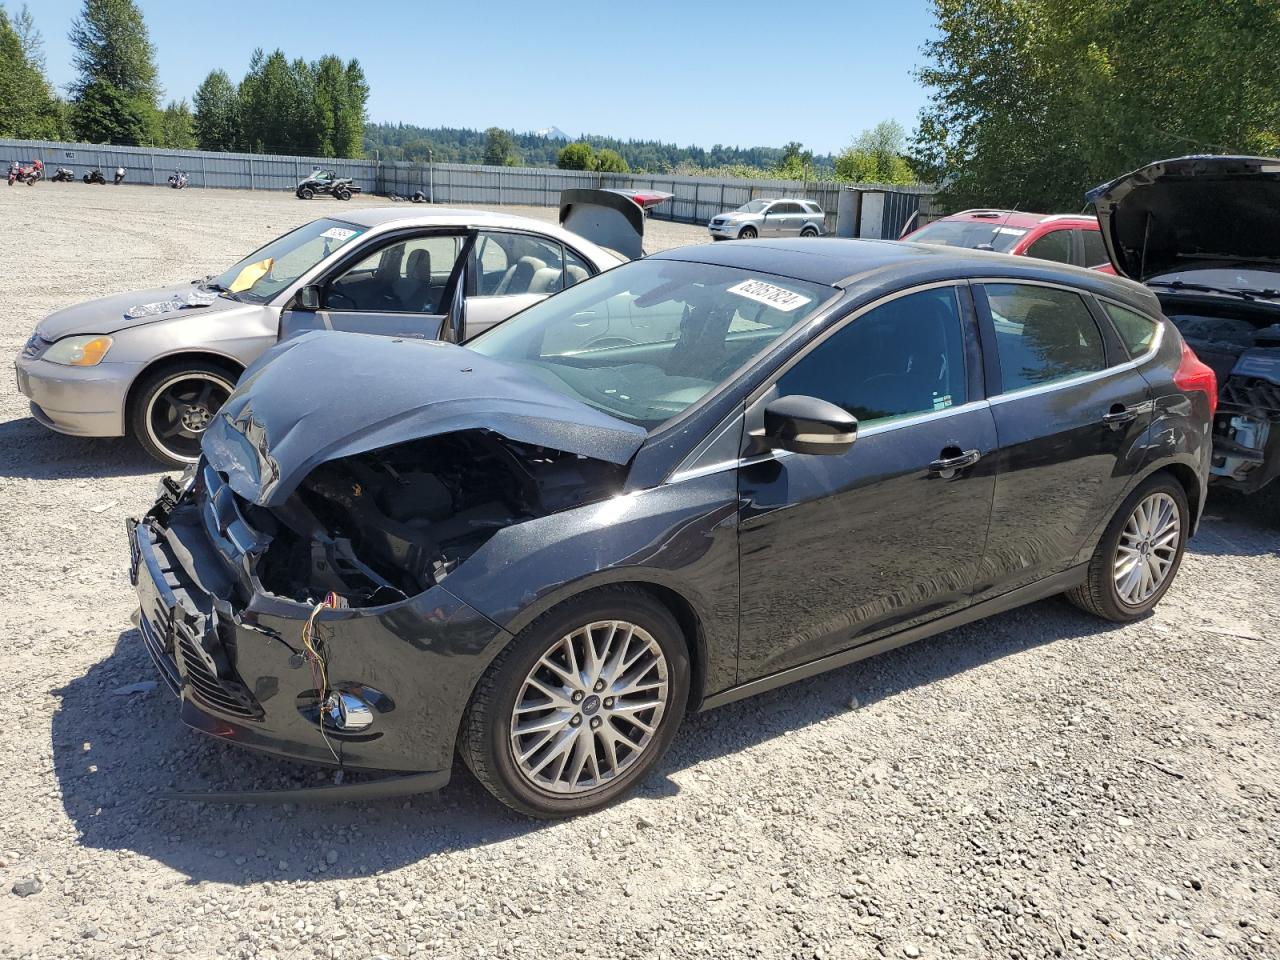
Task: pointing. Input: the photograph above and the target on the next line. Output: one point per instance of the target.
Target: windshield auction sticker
(779, 298)
(338, 233)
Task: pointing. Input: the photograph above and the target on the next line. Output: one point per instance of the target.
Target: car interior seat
(546, 281)
(518, 276)
(413, 290)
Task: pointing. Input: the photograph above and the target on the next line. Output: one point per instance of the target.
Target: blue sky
(744, 73)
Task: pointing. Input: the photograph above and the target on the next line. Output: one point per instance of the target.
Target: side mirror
(808, 425)
(309, 298)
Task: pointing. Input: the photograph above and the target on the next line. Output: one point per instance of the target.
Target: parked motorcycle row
(32, 172)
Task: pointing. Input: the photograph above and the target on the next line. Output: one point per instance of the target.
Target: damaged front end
(293, 591)
(1241, 341)
(319, 629)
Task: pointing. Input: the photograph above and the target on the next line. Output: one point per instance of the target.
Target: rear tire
(1139, 554)
(173, 405)
(594, 737)
(808, 232)
(343, 194)
(747, 233)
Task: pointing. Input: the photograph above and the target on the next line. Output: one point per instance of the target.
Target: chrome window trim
(1008, 395)
(884, 426)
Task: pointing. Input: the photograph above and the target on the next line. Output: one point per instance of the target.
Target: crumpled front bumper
(237, 661)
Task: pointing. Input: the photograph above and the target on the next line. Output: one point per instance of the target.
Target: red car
(1063, 237)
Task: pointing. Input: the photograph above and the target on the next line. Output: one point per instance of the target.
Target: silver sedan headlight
(82, 351)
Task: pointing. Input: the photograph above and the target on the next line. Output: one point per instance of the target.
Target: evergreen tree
(177, 127)
(115, 95)
(499, 148)
(217, 113)
(28, 108)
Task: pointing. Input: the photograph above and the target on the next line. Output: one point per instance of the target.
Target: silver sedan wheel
(1147, 549)
(590, 707)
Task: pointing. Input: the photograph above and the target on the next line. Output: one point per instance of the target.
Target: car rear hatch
(613, 219)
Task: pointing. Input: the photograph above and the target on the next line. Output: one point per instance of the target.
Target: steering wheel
(332, 297)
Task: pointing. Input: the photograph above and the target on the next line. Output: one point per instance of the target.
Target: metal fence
(695, 200)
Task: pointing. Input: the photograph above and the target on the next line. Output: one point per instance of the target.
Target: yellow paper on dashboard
(251, 275)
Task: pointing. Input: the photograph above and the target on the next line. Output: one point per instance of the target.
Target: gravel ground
(1036, 785)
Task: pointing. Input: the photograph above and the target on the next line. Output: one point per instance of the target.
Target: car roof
(876, 266)
(413, 215)
(1018, 218)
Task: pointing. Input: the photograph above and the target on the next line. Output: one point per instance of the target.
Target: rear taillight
(1192, 374)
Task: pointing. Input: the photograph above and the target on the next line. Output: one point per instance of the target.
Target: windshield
(755, 206)
(265, 272)
(969, 233)
(645, 341)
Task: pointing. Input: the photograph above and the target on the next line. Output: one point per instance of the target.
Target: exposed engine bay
(1241, 342)
(382, 526)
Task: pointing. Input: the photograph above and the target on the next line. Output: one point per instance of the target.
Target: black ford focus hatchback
(695, 477)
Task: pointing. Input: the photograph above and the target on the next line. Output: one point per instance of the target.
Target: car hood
(110, 314)
(1204, 211)
(326, 395)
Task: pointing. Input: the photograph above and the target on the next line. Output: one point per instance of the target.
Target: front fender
(681, 537)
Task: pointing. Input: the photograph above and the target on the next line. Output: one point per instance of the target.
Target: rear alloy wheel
(747, 233)
(174, 406)
(808, 232)
(580, 706)
(1139, 553)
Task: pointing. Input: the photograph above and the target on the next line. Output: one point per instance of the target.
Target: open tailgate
(613, 219)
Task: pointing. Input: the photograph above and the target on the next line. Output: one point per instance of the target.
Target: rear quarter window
(1137, 331)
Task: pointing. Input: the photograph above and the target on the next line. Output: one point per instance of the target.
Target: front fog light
(346, 711)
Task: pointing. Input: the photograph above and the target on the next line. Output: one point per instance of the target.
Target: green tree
(1035, 101)
(340, 92)
(576, 156)
(499, 148)
(114, 97)
(875, 156)
(177, 127)
(610, 161)
(28, 108)
(794, 163)
(268, 104)
(217, 113)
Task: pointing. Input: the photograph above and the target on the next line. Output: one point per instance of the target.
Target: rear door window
(1042, 335)
(1055, 245)
(511, 264)
(1095, 251)
(1137, 332)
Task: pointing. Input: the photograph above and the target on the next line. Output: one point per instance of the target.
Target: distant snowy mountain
(552, 133)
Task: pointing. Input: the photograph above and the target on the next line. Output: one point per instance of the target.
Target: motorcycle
(178, 179)
(28, 174)
(63, 175)
(94, 176)
(119, 175)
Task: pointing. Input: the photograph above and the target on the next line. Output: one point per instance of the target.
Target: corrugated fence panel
(695, 200)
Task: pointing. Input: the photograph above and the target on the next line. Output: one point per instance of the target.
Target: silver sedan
(157, 364)
(769, 218)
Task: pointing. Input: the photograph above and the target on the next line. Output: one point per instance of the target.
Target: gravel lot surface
(1037, 785)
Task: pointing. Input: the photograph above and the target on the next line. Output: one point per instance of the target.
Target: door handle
(1119, 415)
(947, 466)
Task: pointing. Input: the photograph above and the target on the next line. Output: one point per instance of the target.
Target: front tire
(747, 233)
(1139, 554)
(306, 193)
(581, 705)
(174, 405)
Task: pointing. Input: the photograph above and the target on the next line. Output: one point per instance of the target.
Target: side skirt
(1048, 587)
